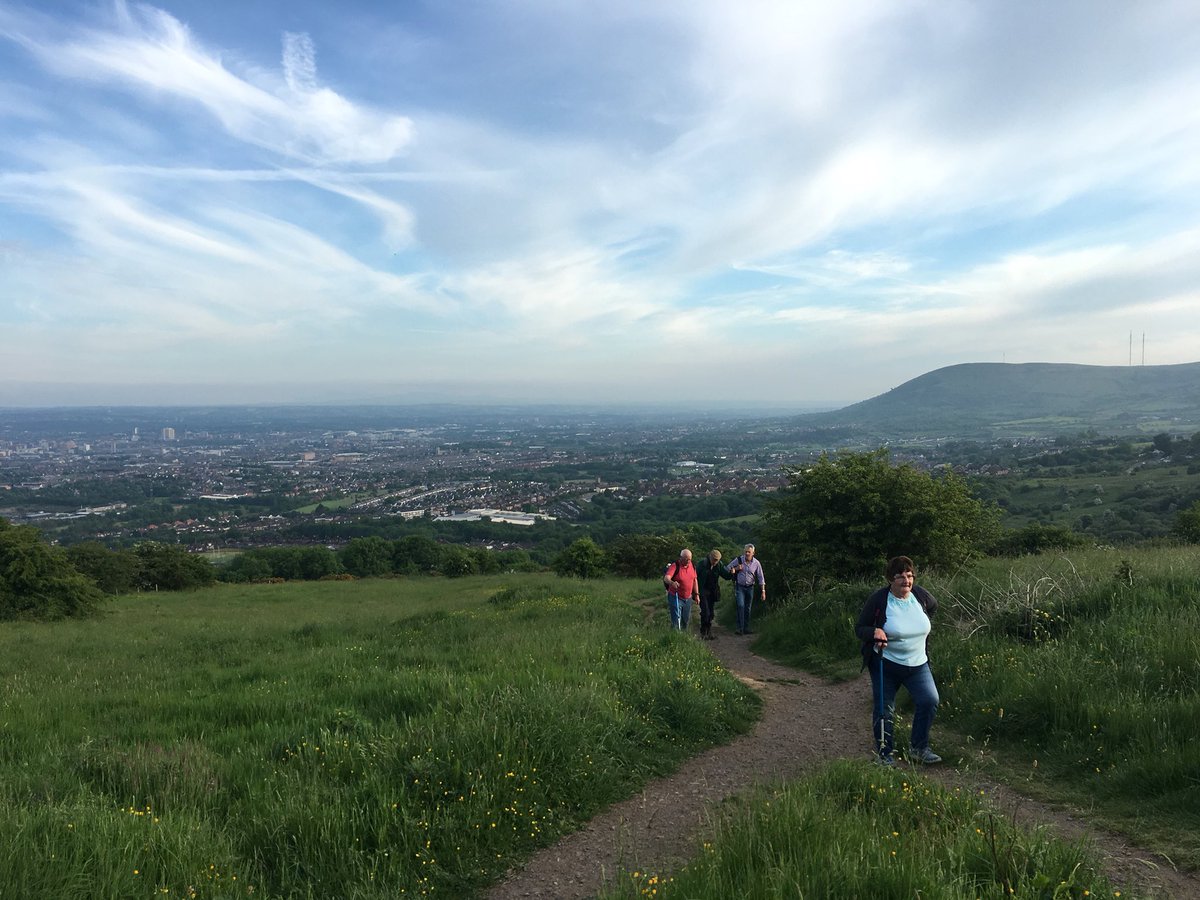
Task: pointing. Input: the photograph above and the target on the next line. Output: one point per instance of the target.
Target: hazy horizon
(462, 395)
(85, 397)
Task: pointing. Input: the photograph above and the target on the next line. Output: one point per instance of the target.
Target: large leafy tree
(846, 515)
(37, 581)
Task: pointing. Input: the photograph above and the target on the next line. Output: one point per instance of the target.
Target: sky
(701, 203)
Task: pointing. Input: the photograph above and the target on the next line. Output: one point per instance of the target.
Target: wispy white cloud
(900, 182)
(153, 52)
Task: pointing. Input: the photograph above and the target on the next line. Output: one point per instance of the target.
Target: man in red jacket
(683, 588)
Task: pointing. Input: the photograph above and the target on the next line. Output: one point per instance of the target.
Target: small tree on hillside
(456, 562)
(1187, 524)
(582, 559)
(169, 567)
(317, 562)
(416, 554)
(37, 581)
(248, 566)
(644, 555)
(367, 556)
(114, 571)
(845, 516)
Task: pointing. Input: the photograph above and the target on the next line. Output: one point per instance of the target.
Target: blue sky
(710, 202)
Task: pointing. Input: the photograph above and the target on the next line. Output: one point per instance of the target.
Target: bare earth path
(805, 722)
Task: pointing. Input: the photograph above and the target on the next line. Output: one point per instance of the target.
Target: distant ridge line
(975, 399)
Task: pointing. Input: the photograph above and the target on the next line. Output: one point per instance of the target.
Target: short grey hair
(748, 547)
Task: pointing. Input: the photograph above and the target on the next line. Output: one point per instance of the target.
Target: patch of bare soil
(805, 722)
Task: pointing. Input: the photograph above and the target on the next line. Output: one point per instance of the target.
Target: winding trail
(805, 721)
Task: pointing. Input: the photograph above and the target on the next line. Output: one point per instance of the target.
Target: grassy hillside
(367, 739)
(985, 399)
(399, 737)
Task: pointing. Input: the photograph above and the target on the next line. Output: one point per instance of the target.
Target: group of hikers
(701, 584)
(893, 631)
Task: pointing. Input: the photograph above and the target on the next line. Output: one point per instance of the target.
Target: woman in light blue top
(894, 630)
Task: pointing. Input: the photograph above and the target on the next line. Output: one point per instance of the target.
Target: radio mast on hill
(1131, 348)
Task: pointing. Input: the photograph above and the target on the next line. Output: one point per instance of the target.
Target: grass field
(336, 503)
(415, 737)
(367, 739)
(1077, 677)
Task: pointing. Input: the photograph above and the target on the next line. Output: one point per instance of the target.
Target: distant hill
(997, 399)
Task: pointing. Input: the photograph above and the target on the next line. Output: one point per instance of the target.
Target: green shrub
(582, 559)
(1187, 524)
(37, 581)
(114, 571)
(1037, 538)
(169, 567)
(843, 517)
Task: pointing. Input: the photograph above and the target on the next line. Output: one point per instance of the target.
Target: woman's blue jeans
(918, 680)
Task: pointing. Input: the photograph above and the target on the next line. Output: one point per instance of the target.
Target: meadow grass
(1077, 674)
(853, 831)
(368, 739)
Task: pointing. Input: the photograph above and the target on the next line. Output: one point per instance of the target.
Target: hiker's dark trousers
(707, 606)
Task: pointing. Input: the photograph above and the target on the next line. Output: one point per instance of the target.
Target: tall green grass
(851, 831)
(352, 740)
(1082, 672)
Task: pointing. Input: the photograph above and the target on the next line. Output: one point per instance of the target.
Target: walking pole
(882, 711)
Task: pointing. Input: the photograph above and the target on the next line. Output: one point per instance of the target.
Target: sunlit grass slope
(352, 740)
(1081, 673)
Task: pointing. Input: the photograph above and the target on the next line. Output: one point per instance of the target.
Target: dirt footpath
(805, 722)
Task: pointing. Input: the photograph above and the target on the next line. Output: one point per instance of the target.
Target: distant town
(230, 478)
(256, 472)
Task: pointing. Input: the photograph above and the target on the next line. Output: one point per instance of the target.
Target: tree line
(39, 581)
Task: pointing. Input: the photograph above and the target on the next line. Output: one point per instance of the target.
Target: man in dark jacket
(710, 572)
